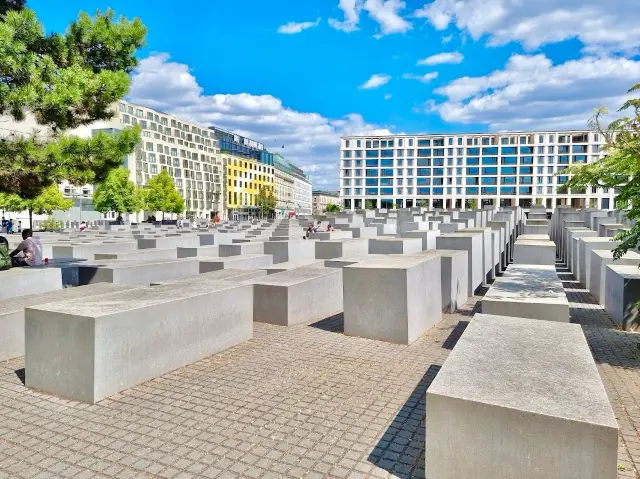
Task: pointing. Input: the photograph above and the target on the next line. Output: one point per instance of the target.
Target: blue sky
(302, 73)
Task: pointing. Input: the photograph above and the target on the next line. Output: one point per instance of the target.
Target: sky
(300, 74)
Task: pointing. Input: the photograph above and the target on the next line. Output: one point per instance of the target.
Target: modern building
(293, 188)
(454, 170)
(245, 178)
(323, 198)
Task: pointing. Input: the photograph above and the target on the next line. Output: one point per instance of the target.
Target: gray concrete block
(599, 260)
(339, 248)
(428, 238)
(235, 275)
(290, 265)
(395, 245)
(585, 245)
(528, 291)
(200, 251)
(12, 313)
(88, 251)
(32, 280)
(301, 295)
(472, 244)
(621, 295)
(454, 277)
(247, 261)
(140, 255)
(416, 306)
(170, 242)
(534, 252)
(292, 250)
(92, 350)
(238, 249)
(520, 398)
(137, 273)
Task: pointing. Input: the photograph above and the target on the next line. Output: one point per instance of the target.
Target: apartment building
(323, 198)
(246, 177)
(293, 188)
(453, 170)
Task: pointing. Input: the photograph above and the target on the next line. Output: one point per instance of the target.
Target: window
(410, 141)
(358, 143)
(424, 143)
(386, 153)
(424, 152)
(372, 154)
(347, 143)
(346, 154)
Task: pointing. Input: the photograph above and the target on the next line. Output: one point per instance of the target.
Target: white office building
(451, 171)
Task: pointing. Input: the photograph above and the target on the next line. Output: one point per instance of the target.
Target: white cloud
(296, 27)
(311, 140)
(446, 39)
(441, 58)
(376, 80)
(351, 9)
(387, 14)
(388, 96)
(600, 25)
(532, 93)
(421, 78)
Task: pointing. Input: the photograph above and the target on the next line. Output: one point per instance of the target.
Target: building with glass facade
(451, 171)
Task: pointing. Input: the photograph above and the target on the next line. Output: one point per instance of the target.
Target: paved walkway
(303, 401)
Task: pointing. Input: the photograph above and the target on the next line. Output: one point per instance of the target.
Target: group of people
(315, 228)
(28, 252)
(7, 225)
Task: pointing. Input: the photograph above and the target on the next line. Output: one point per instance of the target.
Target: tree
(368, 204)
(620, 169)
(117, 193)
(50, 200)
(11, 202)
(331, 208)
(472, 204)
(65, 81)
(265, 200)
(6, 5)
(160, 194)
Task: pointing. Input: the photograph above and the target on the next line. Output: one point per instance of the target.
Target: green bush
(50, 224)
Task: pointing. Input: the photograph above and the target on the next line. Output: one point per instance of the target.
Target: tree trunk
(30, 219)
(163, 217)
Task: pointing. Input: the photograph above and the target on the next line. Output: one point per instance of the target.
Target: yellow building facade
(244, 180)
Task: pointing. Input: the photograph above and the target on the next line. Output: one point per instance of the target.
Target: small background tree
(50, 200)
(331, 208)
(160, 194)
(368, 204)
(118, 194)
(472, 204)
(265, 200)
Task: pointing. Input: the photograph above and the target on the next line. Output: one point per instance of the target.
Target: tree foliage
(368, 204)
(11, 202)
(50, 200)
(118, 193)
(266, 200)
(6, 5)
(160, 194)
(66, 81)
(331, 208)
(620, 169)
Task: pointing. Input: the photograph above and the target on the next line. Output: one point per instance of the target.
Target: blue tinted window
(386, 182)
(473, 161)
(526, 180)
(372, 163)
(386, 153)
(508, 170)
(473, 151)
(562, 179)
(490, 171)
(438, 181)
(438, 171)
(386, 162)
(438, 152)
(371, 182)
(471, 181)
(580, 159)
(372, 154)
(489, 160)
(526, 160)
(438, 191)
(489, 180)
(489, 190)
(526, 170)
(424, 191)
(526, 150)
(424, 162)
(438, 162)
(504, 190)
(472, 190)
(386, 172)
(524, 190)
(424, 152)
(371, 173)
(424, 171)
(509, 150)
(347, 154)
(510, 160)
(490, 151)
(473, 171)
(424, 143)
(423, 181)
(508, 180)
(386, 191)
(371, 191)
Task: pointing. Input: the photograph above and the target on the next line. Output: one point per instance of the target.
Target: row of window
(428, 191)
(428, 152)
(488, 170)
(471, 180)
(471, 141)
(471, 160)
(163, 120)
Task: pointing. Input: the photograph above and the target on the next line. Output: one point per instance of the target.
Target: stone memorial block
(331, 235)
(235, 275)
(621, 294)
(472, 244)
(246, 261)
(528, 291)
(454, 277)
(170, 242)
(29, 280)
(293, 250)
(88, 251)
(448, 227)
(599, 260)
(289, 265)
(200, 251)
(238, 249)
(416, 304)
(487, 251)
(140, 255)
(519, 398)
(91, 350)
(395, 245)
(585, 245)
(339, 248)
(141, 273)
(531, 251)
(428, 238)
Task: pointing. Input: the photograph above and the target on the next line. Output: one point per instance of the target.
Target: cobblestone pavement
(303, 401)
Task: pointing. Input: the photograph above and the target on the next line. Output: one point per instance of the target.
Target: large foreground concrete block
(454, 280)
(394, 299)
(33, 280)
(301, 295)
(585, 245)
(12, 313)
(339, 248)
(528, 291)
(105, 344)
(621, 295)
(600, 258)
(519, 398)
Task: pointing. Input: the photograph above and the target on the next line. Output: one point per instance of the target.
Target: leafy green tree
(472, 204)
(11, 202)
(265, 200)
(6, 5)
(331, 208)
(160, 194)
(118, 193)
(620, 169)
(50, 200)
(368, 204)
(66, 81)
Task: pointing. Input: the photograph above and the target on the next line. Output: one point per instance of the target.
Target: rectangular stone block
(12, 313)
(600, 258)
(170, 242)
(528, 291)
(621, 295)
(522, 399)
(534, 252)
(238, 249)
(137, 273)
(200, 251)
(32, 280)
(302, 295)
(585, 245)
(140, 255)
(247, 261)
(292, 250)
(487, 251)
(105, 344)
(472, 244)
(395, 245)
(428, 238)
(414, 284)
(235, 275)
(289, 265)
(454, 277)
(339, 248)
(88, 251)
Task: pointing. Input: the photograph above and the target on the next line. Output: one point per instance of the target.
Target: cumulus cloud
(533, 93)
(601, 26)
(351, 10)
(442, 58)
(421, 78)
(386, 13)
(311, 140)
(376, 80)
(292, 28)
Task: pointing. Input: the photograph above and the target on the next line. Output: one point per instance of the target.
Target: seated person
(5, 259)
(28, 252)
